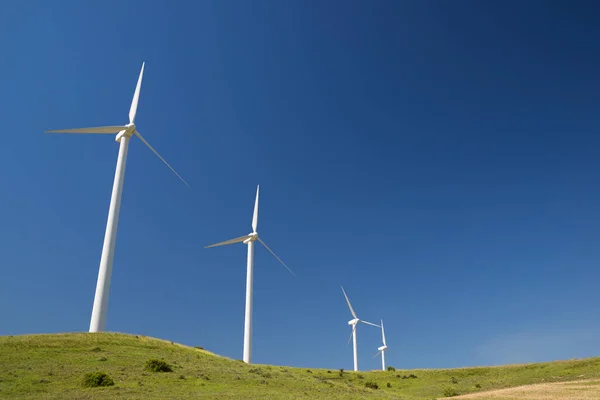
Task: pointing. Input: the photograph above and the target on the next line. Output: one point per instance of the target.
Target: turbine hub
(252, 237)
(353, 321)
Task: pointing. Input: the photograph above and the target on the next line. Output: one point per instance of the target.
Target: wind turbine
(382, 349)
(249, 239)
(124, 133)
(354, 322)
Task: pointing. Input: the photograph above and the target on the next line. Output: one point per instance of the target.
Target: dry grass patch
(579, 390)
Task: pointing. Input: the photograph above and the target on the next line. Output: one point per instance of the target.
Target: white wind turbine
(249, 239)
(354, 322)
(382, 349)
(124, 133)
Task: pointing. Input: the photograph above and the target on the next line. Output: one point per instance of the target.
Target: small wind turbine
(249, 239)
(382, 349)
(124, 133)
(354, 322)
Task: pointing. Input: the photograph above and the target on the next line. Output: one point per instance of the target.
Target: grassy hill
(53, 366)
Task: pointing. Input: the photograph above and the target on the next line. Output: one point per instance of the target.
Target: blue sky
(439, 159)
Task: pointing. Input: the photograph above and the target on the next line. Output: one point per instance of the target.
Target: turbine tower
(353, 323)
(249, 239)
(124, 133)
(382, 349)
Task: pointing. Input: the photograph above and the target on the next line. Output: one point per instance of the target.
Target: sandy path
(577, 390)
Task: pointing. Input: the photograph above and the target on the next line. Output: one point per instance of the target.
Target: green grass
(53, 367)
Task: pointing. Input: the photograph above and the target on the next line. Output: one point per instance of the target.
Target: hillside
(53, 366)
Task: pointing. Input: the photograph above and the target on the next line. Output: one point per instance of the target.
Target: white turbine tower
(382, 349)
(353, 323)
(249, 239)
(124, 133)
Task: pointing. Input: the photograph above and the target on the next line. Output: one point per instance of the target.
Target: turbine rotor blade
(369, 323)
(377, 353)
(136, 97)
(255, 215)
(231, 241)
(383, 334)
(351, 333)
(97, 130)
(349, 305)
(159, 156)
(275, 255)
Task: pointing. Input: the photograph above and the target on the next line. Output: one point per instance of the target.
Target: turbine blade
(383, 334)
(231, 241)
(100, 129)
(255, 215)
(349, 305)
(351, 333)
(377, 353)
(369, 323)
(136, 97)
(159, 156)
(275, 255)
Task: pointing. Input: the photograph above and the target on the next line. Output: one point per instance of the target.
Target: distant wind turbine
(249, 240)
(353, 323)
(382, 349)
(124, 133)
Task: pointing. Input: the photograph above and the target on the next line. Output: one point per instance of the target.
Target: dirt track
(579, 390)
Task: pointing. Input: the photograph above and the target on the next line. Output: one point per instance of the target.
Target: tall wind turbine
(382, 349)
(353, 323)
(249, 239)
(124, 133)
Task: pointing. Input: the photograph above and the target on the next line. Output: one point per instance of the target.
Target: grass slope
(52, 367)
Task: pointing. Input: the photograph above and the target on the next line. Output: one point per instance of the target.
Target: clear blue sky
(439, 159)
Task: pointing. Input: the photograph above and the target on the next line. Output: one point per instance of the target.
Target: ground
(53, 367)
(578, 390)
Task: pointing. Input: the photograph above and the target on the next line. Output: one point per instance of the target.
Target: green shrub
(155, 365)
(478, 386)
(371, 385)
(390, 368)
(96, 349)
(199, 347)
(389, 385)
(454, 380)
(97, 379)
(360, 376)
(341, 372)
(449, 391)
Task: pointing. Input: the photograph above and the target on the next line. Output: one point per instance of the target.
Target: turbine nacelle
(251, 237)
(382, 348)
(354, 321)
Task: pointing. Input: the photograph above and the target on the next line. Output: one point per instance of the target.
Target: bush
(97, 379)
(449, 391)
(341, 372)
(389, 385)
(199, 347)
(371, 385)
(96, 349)
(390, 368)
(360, 376)
(154, 365)
(454, 380)
(478, 386)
